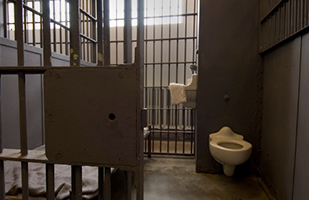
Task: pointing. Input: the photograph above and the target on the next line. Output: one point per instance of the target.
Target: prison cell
(170, 41)
(170, 49)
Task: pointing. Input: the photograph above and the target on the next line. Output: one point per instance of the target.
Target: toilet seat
(244, 144)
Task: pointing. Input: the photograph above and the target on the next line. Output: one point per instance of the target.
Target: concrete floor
(175, 179)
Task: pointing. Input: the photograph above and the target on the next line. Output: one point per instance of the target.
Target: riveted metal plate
(91, 115)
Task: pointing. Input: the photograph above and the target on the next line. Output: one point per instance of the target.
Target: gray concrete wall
(228, 65)
(285, 141)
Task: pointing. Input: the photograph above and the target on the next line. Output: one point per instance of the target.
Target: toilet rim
(245, 145)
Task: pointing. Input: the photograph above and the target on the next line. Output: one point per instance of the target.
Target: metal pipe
(75, 50)
(33, 25)
(107, 184)
(127, 29)
(50, 181)
(100, 32)
(101, 183)
(93, 32)
(2, 180)
(116, 35)
(66, 30)
(46, 34)
(5, 19)
(54, 30)
(128, 185)
(106, 35)
(76, 182)
(25, 178)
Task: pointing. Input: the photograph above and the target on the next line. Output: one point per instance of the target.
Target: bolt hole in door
(230, 145)
(112, 116)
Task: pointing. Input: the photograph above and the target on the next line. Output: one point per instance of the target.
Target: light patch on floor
(175, 179)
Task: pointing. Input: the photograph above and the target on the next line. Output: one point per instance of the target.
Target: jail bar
(46, 34)
(75, 51)
(100, 32)
(76, 182)
(50, 168)
(101, 172)
(139, 59)
(127, 31)
(2, 181)
(107, 184)
(76, 170)
(22, 99)
(75, 56)
(106, 35)
(285, 21)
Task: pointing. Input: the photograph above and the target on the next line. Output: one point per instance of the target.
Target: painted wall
(34, 95)
(228, 65)
(285, 138)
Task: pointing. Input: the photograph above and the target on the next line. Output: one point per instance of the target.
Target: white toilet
(229, 149)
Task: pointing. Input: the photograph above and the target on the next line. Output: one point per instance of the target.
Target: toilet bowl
(229, 149)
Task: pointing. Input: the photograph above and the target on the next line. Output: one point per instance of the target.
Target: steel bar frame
(285, 21)
(25, 156)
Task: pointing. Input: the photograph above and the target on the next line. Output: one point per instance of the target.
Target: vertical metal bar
(169, 78)
(106, 34)
(192, 132)
(75, 51)
(305, 12)
(116, 32)
(140, 61)
(149, 141)
(5, 18)
(75, 61)
(101, 182)
(25, 26)
(100, 32)
(76, 182)
(19, 35)
(33, 25)
(46, 34)
(184, 78)
(161, 75)
(128, 188)
(54, 31)
(22, 98)
(83, 48)
(154, 112)
(41, 29)
(50, 181)
(295, 16)
(127, 31)
(2, 180)
(66, 31)
(194, 21)
(25, 177)
(50, 171)
(93, 31)
(60, 37)
(107, 184)
(87, 29)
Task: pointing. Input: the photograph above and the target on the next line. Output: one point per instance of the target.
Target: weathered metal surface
(91, 110)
